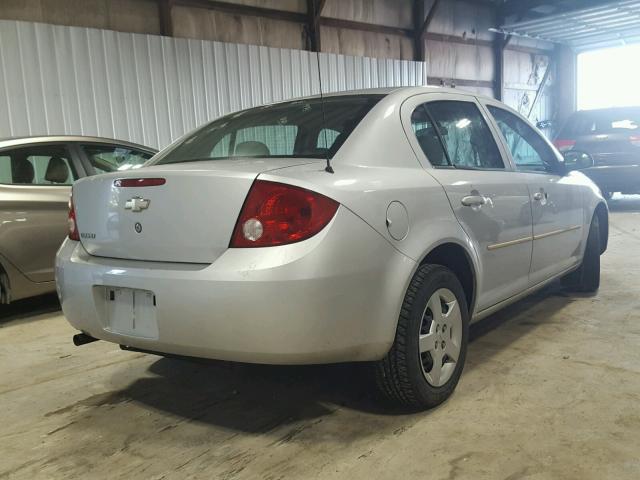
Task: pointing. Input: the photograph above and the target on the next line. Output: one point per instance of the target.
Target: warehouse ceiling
(582, 24)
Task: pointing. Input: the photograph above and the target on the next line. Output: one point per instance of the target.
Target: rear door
(555, 198)
(35, 186)
(451, 135)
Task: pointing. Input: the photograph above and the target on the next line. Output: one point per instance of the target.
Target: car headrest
(252, 149)
(431, 146)
(23, 172)
(57, 170)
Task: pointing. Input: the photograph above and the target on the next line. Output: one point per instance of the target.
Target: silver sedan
(366, 226)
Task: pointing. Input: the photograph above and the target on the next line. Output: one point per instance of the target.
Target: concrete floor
(551, 390)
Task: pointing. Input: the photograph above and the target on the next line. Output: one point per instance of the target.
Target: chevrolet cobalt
(363, 226)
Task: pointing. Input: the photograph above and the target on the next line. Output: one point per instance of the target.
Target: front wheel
(425, 362)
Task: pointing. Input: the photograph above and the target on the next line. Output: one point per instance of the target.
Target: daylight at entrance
(609, 78)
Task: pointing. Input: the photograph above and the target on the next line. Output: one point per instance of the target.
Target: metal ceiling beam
(612, 35)
(582, 13)
(598, 31)
(595, 27)
(612, 20)
(522, 7)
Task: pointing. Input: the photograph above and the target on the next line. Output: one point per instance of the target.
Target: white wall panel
(150, 89)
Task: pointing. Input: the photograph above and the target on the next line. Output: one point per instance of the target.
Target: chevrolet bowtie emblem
(137, 204)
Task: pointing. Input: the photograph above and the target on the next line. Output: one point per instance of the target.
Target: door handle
(473, 200)
(541, 195)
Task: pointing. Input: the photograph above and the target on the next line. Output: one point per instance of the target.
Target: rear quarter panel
(377, 166)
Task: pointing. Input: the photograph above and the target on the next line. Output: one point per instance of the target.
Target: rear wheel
(587, 278)
(427, 357)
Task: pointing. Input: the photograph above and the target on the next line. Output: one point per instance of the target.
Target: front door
(556, 201)
(489, 199)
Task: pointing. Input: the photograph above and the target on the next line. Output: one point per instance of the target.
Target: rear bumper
(333, 298)
(619, 178)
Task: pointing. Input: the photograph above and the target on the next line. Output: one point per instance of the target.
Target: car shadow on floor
(29, 309)
(257, 398)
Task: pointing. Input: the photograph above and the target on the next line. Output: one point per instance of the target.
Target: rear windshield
(595, 122)
(309, 128)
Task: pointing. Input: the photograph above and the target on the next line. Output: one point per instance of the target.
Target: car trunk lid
(188, 218)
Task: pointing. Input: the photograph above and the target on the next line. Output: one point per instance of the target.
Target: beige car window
(5, 169)
(38, 165)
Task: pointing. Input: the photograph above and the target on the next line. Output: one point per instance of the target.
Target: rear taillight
(635, 140)
(277, 214)
(564, 145)
(73, 226)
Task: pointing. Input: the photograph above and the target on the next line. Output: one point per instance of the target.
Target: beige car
(36, 174)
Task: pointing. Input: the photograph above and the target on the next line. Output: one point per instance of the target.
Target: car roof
(407, 91)
(22, 141)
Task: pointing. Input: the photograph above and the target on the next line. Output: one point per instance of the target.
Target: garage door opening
(609, 78)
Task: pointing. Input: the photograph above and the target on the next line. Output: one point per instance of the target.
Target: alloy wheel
(440, 337)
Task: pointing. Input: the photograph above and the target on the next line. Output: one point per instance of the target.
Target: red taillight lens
(73, 226)
(564, 145)
(277, 214)
(139, 182)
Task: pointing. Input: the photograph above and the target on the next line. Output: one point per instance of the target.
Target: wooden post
(166, 22)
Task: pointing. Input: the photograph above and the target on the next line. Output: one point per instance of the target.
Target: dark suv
(612, 137)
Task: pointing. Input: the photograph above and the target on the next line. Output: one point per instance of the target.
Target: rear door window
(466, 137)
(37, 165)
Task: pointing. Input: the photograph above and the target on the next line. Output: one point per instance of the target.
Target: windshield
(310, 128)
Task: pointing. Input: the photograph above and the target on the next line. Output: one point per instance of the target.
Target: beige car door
(34, 193)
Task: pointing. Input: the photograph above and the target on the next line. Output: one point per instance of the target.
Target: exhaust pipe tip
(83, 339)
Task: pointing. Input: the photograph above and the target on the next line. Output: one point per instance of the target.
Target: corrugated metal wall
(150, 89)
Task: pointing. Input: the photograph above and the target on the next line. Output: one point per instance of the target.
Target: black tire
(399, 375)
(586, 279)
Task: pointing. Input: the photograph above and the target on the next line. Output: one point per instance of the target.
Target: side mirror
(575, 160)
